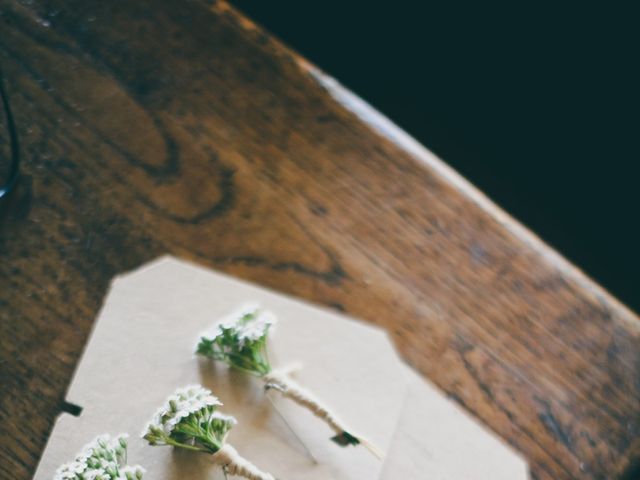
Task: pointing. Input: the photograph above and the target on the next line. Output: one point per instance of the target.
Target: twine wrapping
(227, 457)
(281, 381)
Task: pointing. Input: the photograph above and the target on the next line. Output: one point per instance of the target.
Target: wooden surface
(154, 127)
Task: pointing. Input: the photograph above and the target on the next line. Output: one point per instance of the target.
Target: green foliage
(190, 420)
(241, 342)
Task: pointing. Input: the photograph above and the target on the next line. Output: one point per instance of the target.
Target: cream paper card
(438, 440)
(142, 349)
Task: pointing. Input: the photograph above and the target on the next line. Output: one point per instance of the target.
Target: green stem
(172, 442)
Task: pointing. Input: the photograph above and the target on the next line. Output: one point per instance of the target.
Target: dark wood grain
(180, 127)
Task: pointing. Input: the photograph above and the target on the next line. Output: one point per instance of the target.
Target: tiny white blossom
(94, 474)
(240, 340)
(257, 327)
(131, 472)
(225, 418)
(102, 459)
(184, 402)
(191, 409)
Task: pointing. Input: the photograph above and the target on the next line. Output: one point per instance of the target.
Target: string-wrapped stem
(233, 463)
(281, 381)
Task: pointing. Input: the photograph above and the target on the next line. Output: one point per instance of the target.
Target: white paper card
(142, 348)
(438, 440)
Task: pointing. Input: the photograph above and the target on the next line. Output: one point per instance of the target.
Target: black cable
(14, 169)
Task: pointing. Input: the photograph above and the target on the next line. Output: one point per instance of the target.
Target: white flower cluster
(257, 327)
(224, 418)
(249, 324)
(180, 405)
(102, 459)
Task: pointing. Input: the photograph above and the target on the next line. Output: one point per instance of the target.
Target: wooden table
(181, 127)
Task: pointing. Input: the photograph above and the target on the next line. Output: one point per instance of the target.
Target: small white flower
(225, 418)
(177, 411)
(240, 340)
(257, 327)
(100, 459)
(184, 402)
(69, 470)
(128, 472)
(93, 474)
(231, 321)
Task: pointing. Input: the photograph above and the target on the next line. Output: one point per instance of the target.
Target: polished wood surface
(180, 127)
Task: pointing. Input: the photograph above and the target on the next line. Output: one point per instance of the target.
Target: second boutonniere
(241, 342)
(190, 420)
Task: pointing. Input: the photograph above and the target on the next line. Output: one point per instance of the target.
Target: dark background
(537, 104)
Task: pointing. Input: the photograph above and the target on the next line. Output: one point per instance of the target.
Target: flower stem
(281, 381)
(232, 463)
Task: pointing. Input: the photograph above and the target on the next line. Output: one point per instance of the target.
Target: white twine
(227, 457)
(289, 388)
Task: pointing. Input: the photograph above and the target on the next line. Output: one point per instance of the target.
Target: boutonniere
(241, 342)
(104, 458)
(190, 420)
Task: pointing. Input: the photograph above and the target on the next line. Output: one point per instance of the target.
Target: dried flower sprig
(240, 341)
(102, 459)
(190, 419)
